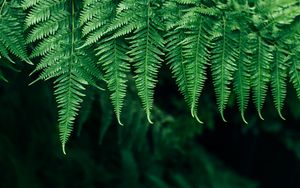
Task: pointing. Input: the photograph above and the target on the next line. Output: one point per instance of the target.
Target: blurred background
(175, 152)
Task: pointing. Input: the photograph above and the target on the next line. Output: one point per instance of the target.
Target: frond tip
(64, 149)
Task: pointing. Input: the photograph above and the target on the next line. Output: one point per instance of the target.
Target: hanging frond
(242, 76)
(196, 53)
(176, 61)
(279, 76)
(95, 19)
(54, 25)
(224, 56)
(247, 47)
(112, 55)
(11, 31)
(146, 44)
(188, 43)
(294, 71)
(260, 70)
(174, 56)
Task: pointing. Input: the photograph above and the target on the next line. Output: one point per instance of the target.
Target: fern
(11, 32)
(146, 44)
(111, 52)
(188, 43)
(271, 60)
(224, 56)
(72, 69)
(176, 61)
(114, 59)
(242, 75)
(95, 18)
(196, 58)
(294, 70)
(249, 48)
(279, 76)
(261, 71)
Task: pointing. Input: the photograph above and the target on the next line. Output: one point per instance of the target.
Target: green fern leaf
(111, 51)
(176, 61)
(145, 55)
(43, 10)
(196, 59)
(48, 27)
(242, 76)
(95, 18)
(72, 68)
(188, 44)
(175, 49)
(69, 97)
(29, 3)
(146, 45)
(11, 32)
(294, 72)
(188, 2)
(224, 56)
(261, 71)
(113, 57)
(279, 76)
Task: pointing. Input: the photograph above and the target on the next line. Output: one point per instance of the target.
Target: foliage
(12, 35)
(244, 45)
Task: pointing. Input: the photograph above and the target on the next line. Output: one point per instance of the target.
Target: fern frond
(261, 71)
(128, 19)
(4, 52)
(188, 44)
(112, 55)
(69, 97)
(43, 10)
(11, 32)
(176, 61)
(48, 45)
(146, 44)
(279, 76)
(145, 52)
(294, 72)
(95, 18)
(187, 2)
(224, 56)
(241, 81)
(29, 3)
(276, 14)
(72, 68)
(175, 51)
(196, 55)
(48, 27)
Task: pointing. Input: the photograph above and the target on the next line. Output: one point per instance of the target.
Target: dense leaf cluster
(245, 45)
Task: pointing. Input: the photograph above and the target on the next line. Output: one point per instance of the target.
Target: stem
(72, 27)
